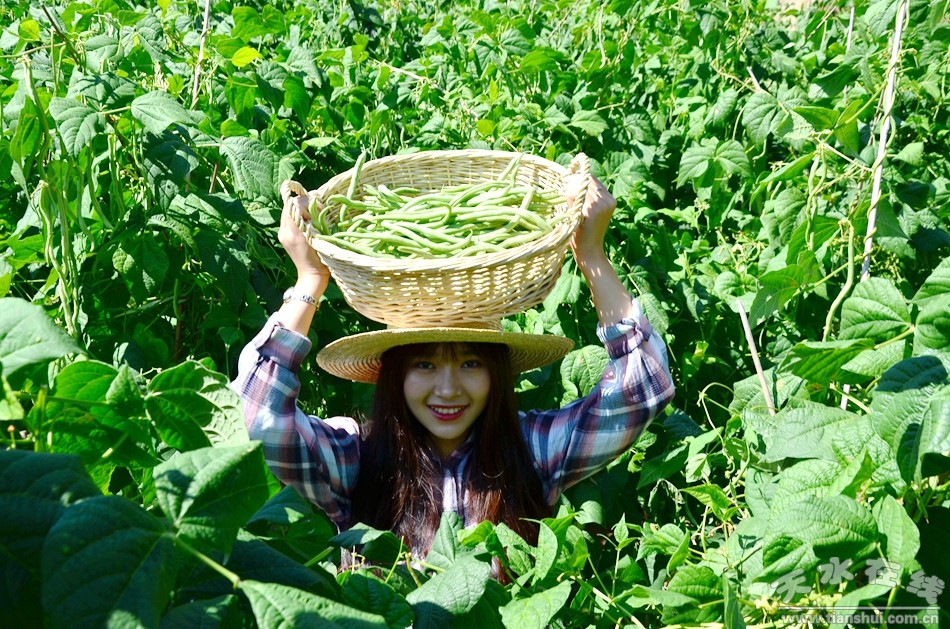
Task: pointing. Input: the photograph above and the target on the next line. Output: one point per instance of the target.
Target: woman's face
(446, 389)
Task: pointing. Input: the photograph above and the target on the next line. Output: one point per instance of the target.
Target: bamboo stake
(755, 358)
(887, 106)
(201, 53)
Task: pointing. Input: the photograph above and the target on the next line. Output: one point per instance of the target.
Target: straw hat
(358, 357)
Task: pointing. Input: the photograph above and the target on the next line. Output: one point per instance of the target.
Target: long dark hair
(400, 481)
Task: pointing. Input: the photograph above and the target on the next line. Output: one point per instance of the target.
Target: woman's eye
(424, 364)
(472, 364)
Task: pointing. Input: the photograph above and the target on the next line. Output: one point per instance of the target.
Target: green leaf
(108, 561)
(380, 546)
(548, 549)
(209, 494)
(934, 448)
(820, 118)
(822, 361)
(713, 497)
(582, 368)
(29, 338)
(731, 157)
(875, 310)
(78, 123)
(880, 17)
(222, 611)
(536, 611)
(933, 325)
(142, 263)
(813, 528)
(899, 531)
(446, 548)
(277, 605)
(590, 122)
(778, 288)
(900, 402)
(935, 286)
(297, 97)
(807, 432)
(696, 162)
(912, 154)
(245, 56)
(35, 489)
(157, 109)
(178, 409)
(29, 30)
(253, 166)
(543, 59)
(451, 593)
(366, 592)
(762, 116)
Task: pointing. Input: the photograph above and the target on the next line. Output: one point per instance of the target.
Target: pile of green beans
(464, 220)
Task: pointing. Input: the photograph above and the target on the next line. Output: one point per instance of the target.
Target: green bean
(458, 220)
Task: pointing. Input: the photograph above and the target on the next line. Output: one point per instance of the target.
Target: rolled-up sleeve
(571, 443)
(318, 457)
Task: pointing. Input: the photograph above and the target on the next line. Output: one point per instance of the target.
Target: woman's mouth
(447, 413)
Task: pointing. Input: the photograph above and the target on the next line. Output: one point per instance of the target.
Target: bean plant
(783, 216)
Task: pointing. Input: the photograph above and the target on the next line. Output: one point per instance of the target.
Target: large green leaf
(537, 610)
(157, 109)
(936, 286)
(875, 310)
(368, 593)
(79, 124)
(183, 399)
(253, 167)
(450, 593)
(933, 325)
(934, 437)
(582, 368)
(277, 605)
(902, 539)
(779, 287)
(29, 338)
(35, 489)
(142, 263)
(822, 361)
(446, 548)
(210, 493)
(808, 432)
(220, 612)
(106, 562)
(814, 528)
(900, 402)
(763, 115)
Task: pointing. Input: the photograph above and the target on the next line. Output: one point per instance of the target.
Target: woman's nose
(447, 382)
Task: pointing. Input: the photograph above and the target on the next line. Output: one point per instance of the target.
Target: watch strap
(291, 294)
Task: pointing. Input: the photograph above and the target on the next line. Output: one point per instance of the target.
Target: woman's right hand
(303, 256)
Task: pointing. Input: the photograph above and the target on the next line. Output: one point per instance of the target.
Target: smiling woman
(445, 433)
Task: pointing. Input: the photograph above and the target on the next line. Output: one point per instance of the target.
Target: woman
(445, 433)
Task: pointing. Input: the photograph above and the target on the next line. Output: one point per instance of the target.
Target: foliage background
(141, 147)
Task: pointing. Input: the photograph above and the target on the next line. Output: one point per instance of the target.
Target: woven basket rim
(335, 254)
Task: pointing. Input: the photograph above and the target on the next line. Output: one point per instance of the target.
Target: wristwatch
(291, 295)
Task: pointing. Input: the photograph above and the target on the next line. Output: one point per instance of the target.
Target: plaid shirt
(320, 457)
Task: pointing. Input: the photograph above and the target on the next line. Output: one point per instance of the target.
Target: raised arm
(312, 274)
(319, 458)
(607, 291)
(576, 441)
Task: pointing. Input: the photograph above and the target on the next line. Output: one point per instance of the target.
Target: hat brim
(358, 357)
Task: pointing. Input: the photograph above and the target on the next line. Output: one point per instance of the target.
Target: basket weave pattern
(457, 291)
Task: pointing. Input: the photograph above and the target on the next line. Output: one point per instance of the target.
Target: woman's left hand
(599, 206)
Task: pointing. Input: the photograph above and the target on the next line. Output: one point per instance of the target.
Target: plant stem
(846, 289)
(201, 53)
(755, 358)
(208, 561)
(887, 106)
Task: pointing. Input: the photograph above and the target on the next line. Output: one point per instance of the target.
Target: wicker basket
(450, 291)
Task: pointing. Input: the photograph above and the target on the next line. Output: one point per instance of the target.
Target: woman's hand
(599, 206)
(610, 297)
(303, 256)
